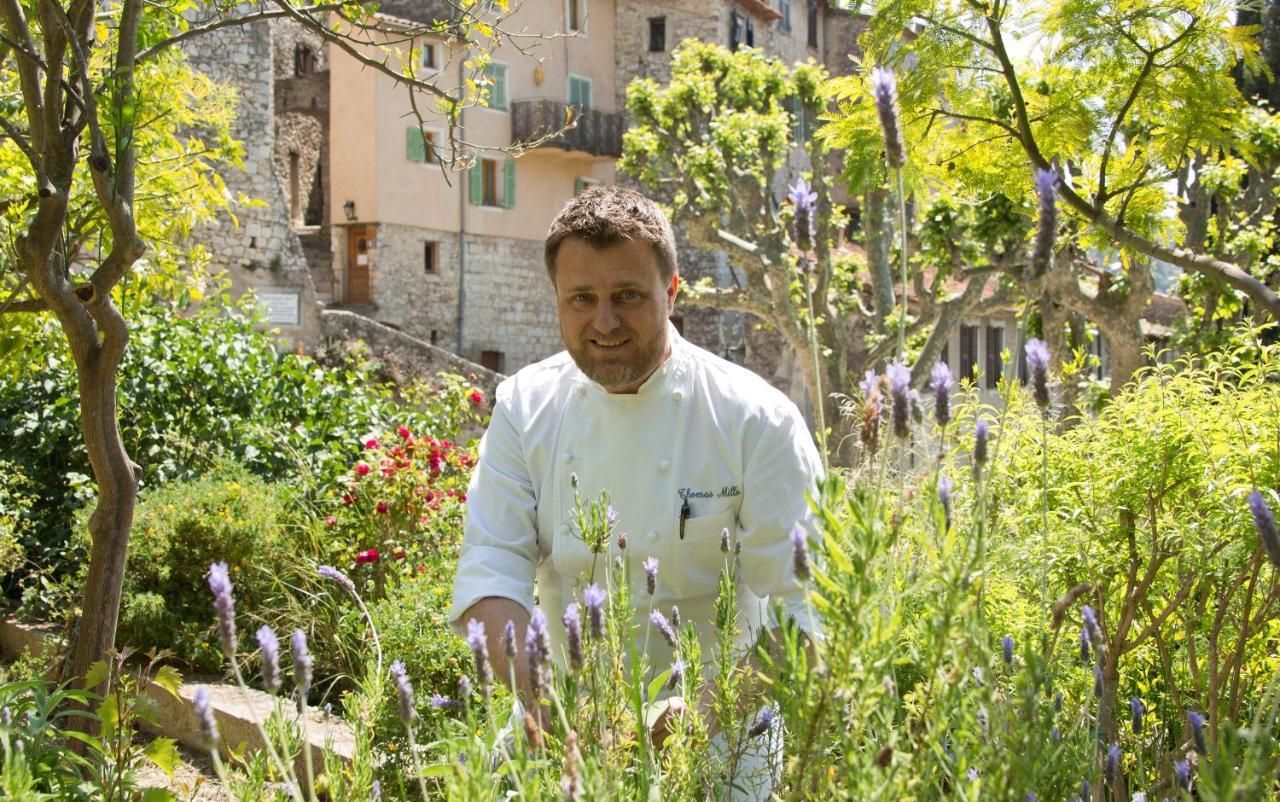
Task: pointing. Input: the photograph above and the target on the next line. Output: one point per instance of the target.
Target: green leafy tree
(714, 144)
(101, 168)
(1129, 103)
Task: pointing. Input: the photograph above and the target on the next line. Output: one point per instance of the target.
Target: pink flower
(362, 469)
(368, 556)
(331, 520)
(349, 499)
(462, 497)
(383, 508)
(399, 554)
(404, 432)
(477, 397)
(372, 442)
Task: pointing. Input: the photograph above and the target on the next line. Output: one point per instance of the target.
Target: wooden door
(359, 268)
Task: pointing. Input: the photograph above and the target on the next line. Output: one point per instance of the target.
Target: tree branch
(227, 22)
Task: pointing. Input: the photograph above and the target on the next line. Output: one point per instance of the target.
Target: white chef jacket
(699, 429)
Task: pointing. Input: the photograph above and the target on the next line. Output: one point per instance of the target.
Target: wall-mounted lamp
(349, 209)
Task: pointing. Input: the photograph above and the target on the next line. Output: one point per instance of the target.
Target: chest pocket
(693, 565)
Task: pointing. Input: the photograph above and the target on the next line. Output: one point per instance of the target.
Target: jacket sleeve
(782, 471)
(499, 551)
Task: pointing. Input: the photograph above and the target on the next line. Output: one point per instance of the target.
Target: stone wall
(262, 253)
(509, 304)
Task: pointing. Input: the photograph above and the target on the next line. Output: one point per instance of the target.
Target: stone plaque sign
(281, 307)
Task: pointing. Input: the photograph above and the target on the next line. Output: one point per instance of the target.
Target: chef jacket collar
(669, 376)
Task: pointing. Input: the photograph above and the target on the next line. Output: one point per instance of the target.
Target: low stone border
(237, 710)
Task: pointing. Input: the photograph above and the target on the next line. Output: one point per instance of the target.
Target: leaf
(158, 794)
(164, 753)
(98, 672)
(656, 684)
(170, 679)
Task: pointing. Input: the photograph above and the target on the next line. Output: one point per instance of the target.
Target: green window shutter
(497, 75)
(509, 183)
(476, 181)
(416, 144)
(579, 92)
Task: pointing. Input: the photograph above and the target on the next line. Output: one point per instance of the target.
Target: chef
(686, 445)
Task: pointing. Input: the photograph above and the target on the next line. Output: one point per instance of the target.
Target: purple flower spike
(1006, 648)
(1084, 644)
(899, 384)
(884, 85)
(800, 549)
(479, 644)
(225, 605)
(941, 382)
(805, 201)
(404, 691)
(1097, 681)
(1136, 710)
(537, 645)
(663, 626)
(509, 640)
(945, 488)
(677, 674)
(675, 617)
(594, 597)
(441, 702)
(269, 645)
(763, 723)
(204, 717)
(1182, 772)
(868, 383)
(301, 665)
(1047, 225)
(980, 435)
(1197, 731)
(334, 575)
(1266, 525)
(610, 517)
(376, 789)
(464, 689)
(651, 574)
(572, 620)
(1111, 766)
(1038, 361)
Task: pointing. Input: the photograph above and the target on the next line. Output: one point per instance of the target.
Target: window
(784, 7)
(735, 30)
(304, 60)
(573, 15)
(813, 25)
(430, 255)
(496, 75)
(799, 119)
(751, 33)
(429, 56)
(968, 351)
(491, 360)
(493, 183)
(657, 34)
(995, 365)
(580, 92)
(420, 146)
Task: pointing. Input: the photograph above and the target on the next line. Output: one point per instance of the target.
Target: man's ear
(673, 287)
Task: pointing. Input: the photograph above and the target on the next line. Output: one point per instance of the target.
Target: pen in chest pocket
(684, 516)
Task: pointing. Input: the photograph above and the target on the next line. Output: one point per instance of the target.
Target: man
(686, 444)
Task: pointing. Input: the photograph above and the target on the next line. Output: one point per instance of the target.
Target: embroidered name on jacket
(728, 491)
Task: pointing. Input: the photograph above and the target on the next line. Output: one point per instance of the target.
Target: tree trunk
(877, 231)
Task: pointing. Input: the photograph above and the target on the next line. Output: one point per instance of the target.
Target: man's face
(614, 307)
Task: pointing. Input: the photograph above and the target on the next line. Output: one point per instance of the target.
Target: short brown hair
(606, 215)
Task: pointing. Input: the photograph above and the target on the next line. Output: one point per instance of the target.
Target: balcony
(598, 133)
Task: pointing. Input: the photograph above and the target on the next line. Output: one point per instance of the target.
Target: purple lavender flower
(663, 626)
(675, 617)
(479, 644)
(800, 548)
(973, 774)
(225, 605)
(1097, 681)
(884, 85)
(1084, 644)
(724, 540)
(610, 517)
(1182, 773)
(1197, 731)
(677, 674)
(301, 665)
(945, 488)
(1266, 524)
(6, 716)
(1140, 796)
(204, 717)
(983, 720)
(1085, 790)
(269, 645)
(572, 621)
(978, 676)
(1006, 647)
(1055, 734)
(1111, 765)
(1047, 227)
(868, 383)
(899, 384)
(377, 791)
(979, 445)
(464, 689)
(650, 565)
(334, 575)
(805, 201)
(1030, 797)
(762, 723)
(509, 640)
(1136, 710)
(941, 382)
(404, 691)
(1038, 361)
(594, 597)
(537, 645)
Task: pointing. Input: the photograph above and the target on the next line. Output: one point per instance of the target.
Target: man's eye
(581, 298)
(630, 295)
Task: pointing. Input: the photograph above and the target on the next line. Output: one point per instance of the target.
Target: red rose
(372, 442)
(369, 556)
(383, 508)
(404, 432)
(362, 469)
(477, 397)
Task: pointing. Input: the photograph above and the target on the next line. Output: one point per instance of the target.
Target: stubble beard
(622, 370)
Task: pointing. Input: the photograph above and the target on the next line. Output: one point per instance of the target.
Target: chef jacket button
(677, 394)
(665, 465)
